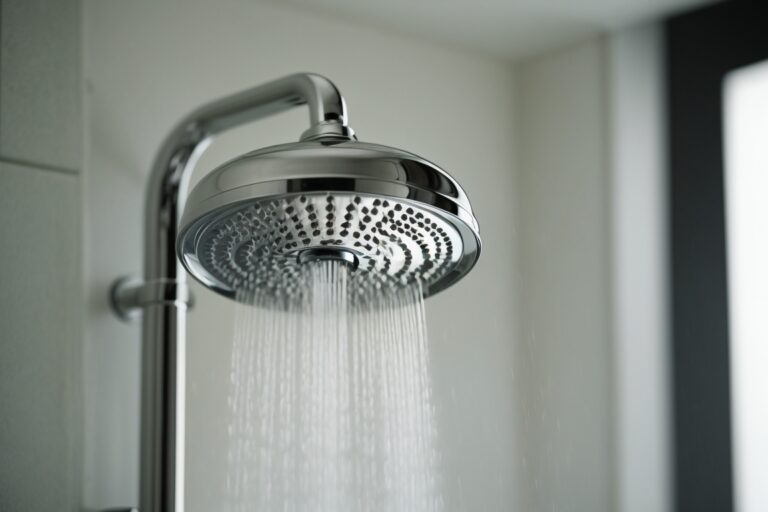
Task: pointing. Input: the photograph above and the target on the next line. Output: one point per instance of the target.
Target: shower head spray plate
(395, 218)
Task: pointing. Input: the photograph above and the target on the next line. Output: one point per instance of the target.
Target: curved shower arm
(317, 92)
(186, 142)
(163, 297)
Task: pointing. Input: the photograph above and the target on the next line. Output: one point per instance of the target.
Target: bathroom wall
(40, 248)
(565, 345)
(146, 64)
(592, 351)
(640, 356)
(549, 359)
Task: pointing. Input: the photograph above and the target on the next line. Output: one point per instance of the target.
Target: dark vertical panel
(702, 47)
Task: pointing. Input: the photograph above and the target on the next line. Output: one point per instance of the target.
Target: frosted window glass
(746, 183)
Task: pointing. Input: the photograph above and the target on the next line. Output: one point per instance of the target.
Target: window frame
(702, 47)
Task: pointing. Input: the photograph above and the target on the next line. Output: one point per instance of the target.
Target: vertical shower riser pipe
(163, 296)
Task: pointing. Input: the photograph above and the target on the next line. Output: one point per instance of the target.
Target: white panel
(40, 88)
(564, 357)
(40, 347)
(639, 271)
(746, 178)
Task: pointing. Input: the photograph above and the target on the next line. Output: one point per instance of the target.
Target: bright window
(746, 184)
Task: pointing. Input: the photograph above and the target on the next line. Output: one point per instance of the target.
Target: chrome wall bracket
(129, 296)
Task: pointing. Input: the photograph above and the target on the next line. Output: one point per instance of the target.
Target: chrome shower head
(251, 224)
(254, 225)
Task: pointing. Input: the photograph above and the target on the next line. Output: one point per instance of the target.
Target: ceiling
(506, 28)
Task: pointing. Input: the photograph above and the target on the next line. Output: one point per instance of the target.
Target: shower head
(393, 217)
(253, 228)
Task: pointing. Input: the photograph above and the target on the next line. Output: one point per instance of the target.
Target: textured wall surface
(40, 114)
(40, 287)
(145, 67)
(40, 341)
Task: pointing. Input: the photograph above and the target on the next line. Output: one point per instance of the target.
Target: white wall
(40, 248)
(592, 352)
(639, 307)
(564, 347)
(146, 64)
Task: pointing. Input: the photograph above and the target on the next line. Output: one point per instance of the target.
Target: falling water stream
(331, 407)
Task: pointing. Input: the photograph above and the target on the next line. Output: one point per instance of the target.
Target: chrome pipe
(163, 330)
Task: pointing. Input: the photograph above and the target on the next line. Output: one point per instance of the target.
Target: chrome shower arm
(325, 103)
(163, 295)
(186, 142)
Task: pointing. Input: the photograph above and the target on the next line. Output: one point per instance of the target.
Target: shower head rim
(186, 246)
(383, 164)
(281, 189)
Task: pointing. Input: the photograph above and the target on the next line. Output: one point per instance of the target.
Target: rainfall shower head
(255, 228)
(393, 217)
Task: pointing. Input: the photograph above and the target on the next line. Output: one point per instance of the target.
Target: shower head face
(255, 222)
